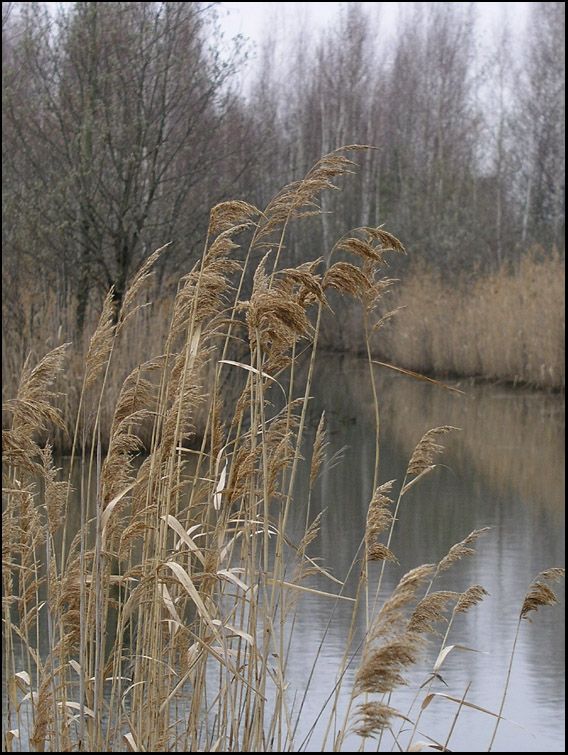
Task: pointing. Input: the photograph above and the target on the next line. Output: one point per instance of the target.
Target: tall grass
(165, 622)
(508, 326)
(53, 325)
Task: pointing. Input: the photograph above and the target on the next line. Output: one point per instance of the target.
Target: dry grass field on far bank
(508, 326)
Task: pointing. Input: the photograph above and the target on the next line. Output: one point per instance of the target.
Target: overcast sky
(253, 19)
(256, 20)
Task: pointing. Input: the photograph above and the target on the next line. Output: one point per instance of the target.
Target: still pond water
(504, 470)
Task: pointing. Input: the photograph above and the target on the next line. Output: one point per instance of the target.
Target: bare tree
(539, 127)
(123, 132)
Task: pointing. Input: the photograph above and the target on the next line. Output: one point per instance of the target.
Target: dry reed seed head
(10, 532)
(30, 587)
(278, 361)
(137, 394)
(427, 449)
(222, 246)
(430, 611)
(19, 449)
(277, 216)
(555, 574)
(286, 420)
(203, 294)
(242, 470)
(70, 592)
(311, 290)
(241, 406)
(298, 197)
(225, 215)
(302, 283)
(461, 549)
(277, 319)
(380, 552)
(185, 363)
(214, 283)
(183, 305)
(373, 717)
(335, 164)
(279, 445)
(124, 436)
(355, 148)
(309, 189)
(100, 345)
(187, 396)
(387, 241)
(360, 248)
(26, 530)
(144, 485)
(118, 470)
(261, 279)
(134, 288)
(218, 439)
(320, 446)
(55, 494)
(379, 519)
(32, 410)
(370, 245)
(34, 381)
(380, 285)
(292, 206)
(391, 621)
(348, 279)
(275, 316)
(384, 319)
(381, 668)
(383, 284)
(139, 527)
(279, 459)
(310, 534)
(31, 417)
(470, 598)
(28, 615)
(43, 712)
(412, 580)
(178, 427)
(539, 593)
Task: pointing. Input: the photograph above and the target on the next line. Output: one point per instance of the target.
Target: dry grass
(508, 326)
(166, 619)
(143, 335)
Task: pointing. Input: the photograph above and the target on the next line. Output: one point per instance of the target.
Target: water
(505, 470)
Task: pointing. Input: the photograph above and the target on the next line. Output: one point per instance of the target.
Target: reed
(166, 622)
(507, 326)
